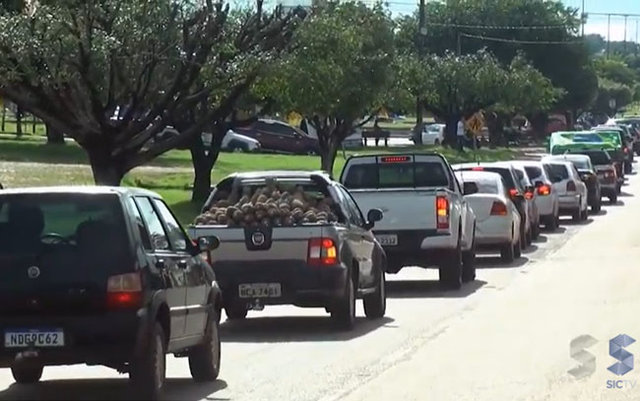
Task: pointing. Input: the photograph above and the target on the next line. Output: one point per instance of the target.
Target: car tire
(535, 231)
(597, 206)
(436, 142)
(343, 313)
(613, 199)
(585, 214)
(627, 168)
(204, 360)
(517, 249)
(508, 252)
(148, 371)
(469, 263)
(529, 238)
(26, 372)
(375, 304)
(577, 215)
(450, 271)
(552, 223)
(236, 312)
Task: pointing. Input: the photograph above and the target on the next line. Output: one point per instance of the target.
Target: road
(504, 337)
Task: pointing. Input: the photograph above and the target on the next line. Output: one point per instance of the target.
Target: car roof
(281, 174)
(482, 175)
(552, 160)
(535, 163)
(80, 189)
(571, 156)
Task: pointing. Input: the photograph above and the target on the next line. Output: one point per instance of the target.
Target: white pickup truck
(427, 222)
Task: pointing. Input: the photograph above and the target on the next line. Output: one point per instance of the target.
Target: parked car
(530, 195)
(633, 123)
(426, 220)
(103, 276)
(546, 198)
(588, 175)
(277, 136)
(607, 176)
(572, 191)
(497, 217)
(626, 148)
(312, 264)
(516, 192)
(433, 134)
(234, 142)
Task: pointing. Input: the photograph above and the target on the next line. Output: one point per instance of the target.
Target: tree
(337, 73)
(111, 74)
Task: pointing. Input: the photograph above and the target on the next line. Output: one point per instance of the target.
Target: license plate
(33, 338)
(387, 239)
(260, 290)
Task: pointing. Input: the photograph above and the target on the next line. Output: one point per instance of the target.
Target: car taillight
(626, 150)
(513, 192)
(442, 212)
(322, 252)
(610, 174)
(124, 291)
(498, 209)
(528, 194)
(544, 190)
(571, 186)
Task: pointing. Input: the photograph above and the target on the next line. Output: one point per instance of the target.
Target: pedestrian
(460, 135)
(377, 131)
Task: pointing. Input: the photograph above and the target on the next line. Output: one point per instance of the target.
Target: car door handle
(160, 264)
(182, 264)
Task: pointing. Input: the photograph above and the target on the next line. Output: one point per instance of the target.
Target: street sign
(475, 123)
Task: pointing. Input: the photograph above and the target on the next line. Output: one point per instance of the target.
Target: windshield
(533, 172)
(558, 172)
(581, 164)
(396, 175)
(598, 158)
(505, 173)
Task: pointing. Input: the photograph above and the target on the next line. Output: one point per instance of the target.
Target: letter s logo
(577, 352)
(617, 350)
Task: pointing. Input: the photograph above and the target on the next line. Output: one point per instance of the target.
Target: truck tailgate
(409, 209)
(237, 244)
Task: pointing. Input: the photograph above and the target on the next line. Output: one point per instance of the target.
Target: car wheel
(436, 142)
(204, 360)
(576, 215)
(585, 214)
(528, 237)
(375, 304)
(535, 231)
(26, 372)
(236, 312)
(517, 248)
(627, 168)
(613, 199)
(450, 270)
(507, 252)
(469, 263)
(238, 149)
(551, 223)
(344, 313)
(597, 206)
(149, 369)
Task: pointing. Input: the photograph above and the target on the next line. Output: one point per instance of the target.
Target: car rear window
(559, 172)
(599, 158)
(581, 164)
(486, 186)
(396, 175)
(533, 172)
(505, 173)
(66, 231)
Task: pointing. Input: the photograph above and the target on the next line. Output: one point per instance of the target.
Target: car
(497, 217)
(427, 222)
(530, 195)
(606, 170)
(633, 123)
(278, 136)
(315, 263)
(235, 142)
(104, 276)
(433, 134)
(588, 175)
(572, 191)
(546, 198)
(516, 192)
(624, 141)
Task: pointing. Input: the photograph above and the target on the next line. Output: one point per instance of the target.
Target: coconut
(310, 216)
(223, 203)
(222, 219)
(261, 206)
(273, 212)
(262, 198)
(248, 218)
(247, 208)
(230, 211)
(297, 213)
(265, 221)
(260, 214)
(237, 215)
(297, 204)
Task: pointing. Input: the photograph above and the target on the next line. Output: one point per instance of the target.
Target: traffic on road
(103, 277)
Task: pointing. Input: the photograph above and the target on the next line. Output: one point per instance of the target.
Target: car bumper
(494, 231)
(109, 339)
(300, 284)
(418, 247)
(545, 205)
(569, 203)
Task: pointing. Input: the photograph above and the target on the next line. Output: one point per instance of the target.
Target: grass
(10, 127)
(173, 184)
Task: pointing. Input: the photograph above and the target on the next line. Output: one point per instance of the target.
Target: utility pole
(583, 18)
(608, 35)
(421, 43)
(625, 33)
(635, 46)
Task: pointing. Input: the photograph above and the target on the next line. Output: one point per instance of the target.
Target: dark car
(606, 171)
(589, 176)
(104, 276)
(277, 136)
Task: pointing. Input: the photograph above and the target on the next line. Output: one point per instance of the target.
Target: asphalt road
(504, 337)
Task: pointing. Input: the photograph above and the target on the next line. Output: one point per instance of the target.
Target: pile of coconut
(270, 205)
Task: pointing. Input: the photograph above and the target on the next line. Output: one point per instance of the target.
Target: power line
(501, 27)
(522, 42)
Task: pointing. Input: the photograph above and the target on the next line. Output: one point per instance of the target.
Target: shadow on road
(530, 249)
(618, 203)
(108, 389)
(294, 329)
(495, 262)
(586, 222)
(625, 194)
(559, 230)
(541, 239)
(429, 289)
(602, 212)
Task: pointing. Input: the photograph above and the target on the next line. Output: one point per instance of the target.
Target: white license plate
(387, 239)
(33, 338)
(260, 290)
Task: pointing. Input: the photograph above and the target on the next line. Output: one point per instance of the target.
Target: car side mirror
(373, 216)
(206, 244)
(469, 188)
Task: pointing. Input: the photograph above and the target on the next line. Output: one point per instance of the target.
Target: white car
(572, 192)
(497, 217)
(433, 134)
(235, 142)
(546, 198)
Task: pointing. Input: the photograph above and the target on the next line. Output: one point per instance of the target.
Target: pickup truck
(426, 219)
(296, 238)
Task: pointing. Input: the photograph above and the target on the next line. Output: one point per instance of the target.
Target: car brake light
(610, 174)
(498, 209)
(571, 186)
(513, 192)
(442, 212)
(626, 150)
(322, 252)
(395, 159)
(477, 169)
(124, 291)
(528, 194)
(544, 190)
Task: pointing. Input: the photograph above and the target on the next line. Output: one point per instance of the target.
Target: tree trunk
(104, 168)
(451, 130)
(539, 124)
(202, 167)
(18, 122)
(54, 136)
(328, 142)
(328, 158)
(4, 116)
